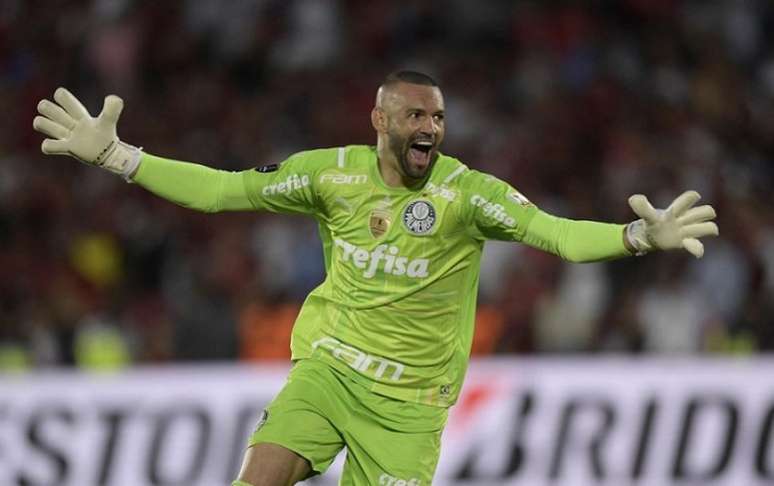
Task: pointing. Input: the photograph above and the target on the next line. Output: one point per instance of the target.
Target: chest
(372, 216)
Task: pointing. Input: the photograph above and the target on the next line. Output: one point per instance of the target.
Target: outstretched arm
(498, 211)
(193, 186)
(678, 227)
(577, 241)
(94, 141)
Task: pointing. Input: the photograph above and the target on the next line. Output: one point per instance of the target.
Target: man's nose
(429, 126)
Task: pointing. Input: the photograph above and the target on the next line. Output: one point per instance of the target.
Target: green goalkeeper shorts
(321, 410)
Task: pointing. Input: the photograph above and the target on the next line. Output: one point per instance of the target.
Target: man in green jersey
(380, 348)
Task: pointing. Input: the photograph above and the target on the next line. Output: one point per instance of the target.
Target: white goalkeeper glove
(76, 133)
(678, 226)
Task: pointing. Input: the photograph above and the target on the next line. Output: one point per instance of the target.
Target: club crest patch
(419, 217)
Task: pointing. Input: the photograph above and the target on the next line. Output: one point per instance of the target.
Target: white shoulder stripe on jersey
(342, 153)
(454, 174)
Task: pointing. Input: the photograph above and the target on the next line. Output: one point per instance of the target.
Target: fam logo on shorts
(419, 217)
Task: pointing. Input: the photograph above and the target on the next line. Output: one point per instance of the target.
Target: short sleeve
(495, 210)
(288, 187)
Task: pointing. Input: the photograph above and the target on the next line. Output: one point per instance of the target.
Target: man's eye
(438, 117)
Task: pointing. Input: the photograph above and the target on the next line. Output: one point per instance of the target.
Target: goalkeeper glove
(678, 226)
(76, 133)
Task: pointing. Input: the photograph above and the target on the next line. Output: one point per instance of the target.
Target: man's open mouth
(419, 152)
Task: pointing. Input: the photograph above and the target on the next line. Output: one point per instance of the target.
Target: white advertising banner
(558, 422)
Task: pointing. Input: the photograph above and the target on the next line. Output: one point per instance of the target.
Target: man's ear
(378, 120)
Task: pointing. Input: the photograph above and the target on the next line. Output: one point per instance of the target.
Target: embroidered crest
(419, 217)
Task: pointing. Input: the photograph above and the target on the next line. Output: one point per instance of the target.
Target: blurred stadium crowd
(577, 104)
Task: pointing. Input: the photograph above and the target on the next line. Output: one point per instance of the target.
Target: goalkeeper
(380, 348)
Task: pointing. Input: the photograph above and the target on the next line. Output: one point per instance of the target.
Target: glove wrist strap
(120, 158)
(637, 236)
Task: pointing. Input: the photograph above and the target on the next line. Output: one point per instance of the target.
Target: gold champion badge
(379, 222)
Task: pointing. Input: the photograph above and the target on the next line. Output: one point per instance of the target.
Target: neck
(389, 168)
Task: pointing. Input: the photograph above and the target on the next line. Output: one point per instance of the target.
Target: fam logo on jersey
(365, 363)
(338, 178)
(419, 217)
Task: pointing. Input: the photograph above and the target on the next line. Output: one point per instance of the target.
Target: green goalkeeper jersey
(397, 306)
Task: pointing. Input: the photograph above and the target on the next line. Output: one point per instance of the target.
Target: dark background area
(576, 104)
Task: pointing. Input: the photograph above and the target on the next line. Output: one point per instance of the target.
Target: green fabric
(397, 307)
(14, 358)
(192, 186)
(320, 409)
(240, 483)
(576, 241)
(99, 348)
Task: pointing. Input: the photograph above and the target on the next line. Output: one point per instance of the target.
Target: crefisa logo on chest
(419, 217)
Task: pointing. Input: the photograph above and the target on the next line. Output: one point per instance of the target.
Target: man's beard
(400, 147)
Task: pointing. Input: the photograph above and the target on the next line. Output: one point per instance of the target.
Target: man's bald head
(397, 77)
